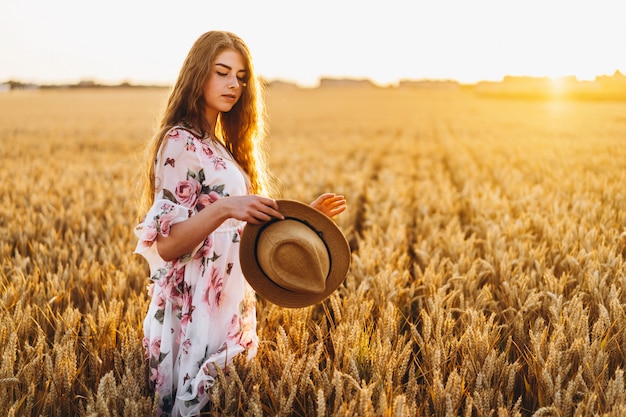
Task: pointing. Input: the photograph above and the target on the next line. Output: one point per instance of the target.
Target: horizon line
(89, 81)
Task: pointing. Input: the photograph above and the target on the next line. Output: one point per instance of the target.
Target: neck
(211, 118)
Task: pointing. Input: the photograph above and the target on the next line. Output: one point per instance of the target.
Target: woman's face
(226, 81)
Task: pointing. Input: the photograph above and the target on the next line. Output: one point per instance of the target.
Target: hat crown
(313, 253)
(294, 256)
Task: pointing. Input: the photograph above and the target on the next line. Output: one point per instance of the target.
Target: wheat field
(488, 272)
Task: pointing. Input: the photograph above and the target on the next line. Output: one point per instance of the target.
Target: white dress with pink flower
(202, 311)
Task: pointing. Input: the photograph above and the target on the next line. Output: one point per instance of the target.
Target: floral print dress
(202, 312)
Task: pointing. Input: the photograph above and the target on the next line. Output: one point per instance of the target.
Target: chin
(226, 108)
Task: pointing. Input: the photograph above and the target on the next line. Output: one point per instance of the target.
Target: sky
(146, 41)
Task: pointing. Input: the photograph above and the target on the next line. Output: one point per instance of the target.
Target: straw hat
(295, 262)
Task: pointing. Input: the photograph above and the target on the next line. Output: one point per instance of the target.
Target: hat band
(286, 278)
(304, 222)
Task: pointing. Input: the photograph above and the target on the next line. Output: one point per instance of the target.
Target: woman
(205, 177)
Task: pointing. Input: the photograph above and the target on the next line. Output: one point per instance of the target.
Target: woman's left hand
(330, 204)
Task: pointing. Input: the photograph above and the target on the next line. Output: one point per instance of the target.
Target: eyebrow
(229, 67)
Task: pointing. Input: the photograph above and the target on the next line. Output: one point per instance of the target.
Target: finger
(334, 208)
(334, 199)
(268, 212)
(338, 209)
(266, 206)
(254, 221)
(335, 202)
(259, 217)
(264, 201)
(322, 198)
(276, 214)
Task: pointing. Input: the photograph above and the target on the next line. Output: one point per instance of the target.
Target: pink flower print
(203, 201)
(207, 150)
(219, 164)
(190, 146)
(187, 192)
(207, 199)
(147, 235)
(155, 348)
(187, 307)
(171, 293)
(158, 377)
(186, 346)
(205, 249)
(146, 346)
(248, 339)
(203, 254)
(234, 329)
(213, 197)
(174, 134)
(172, 285)
(164, 221)
(205, 386)
(160, 301)
(150, 234)
(219, 351)
(213, 293)
(242, 331)
(176, 275)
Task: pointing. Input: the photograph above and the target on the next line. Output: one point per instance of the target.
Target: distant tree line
(18, 85)
(605, 87)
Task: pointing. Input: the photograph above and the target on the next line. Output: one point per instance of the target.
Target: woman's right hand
(253, 209)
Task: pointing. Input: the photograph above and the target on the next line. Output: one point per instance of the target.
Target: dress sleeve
(176, 193)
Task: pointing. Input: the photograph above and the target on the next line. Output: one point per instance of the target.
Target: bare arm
(188, 234)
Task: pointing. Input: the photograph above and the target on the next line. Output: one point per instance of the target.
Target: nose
(234, 82)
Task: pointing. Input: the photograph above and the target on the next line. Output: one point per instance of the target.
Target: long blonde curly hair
(242, 128)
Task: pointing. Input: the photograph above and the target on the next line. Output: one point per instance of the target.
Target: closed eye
(243, 79)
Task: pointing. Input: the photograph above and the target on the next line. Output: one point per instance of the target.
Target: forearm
(187, 235)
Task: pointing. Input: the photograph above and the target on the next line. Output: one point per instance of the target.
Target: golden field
(488, 275)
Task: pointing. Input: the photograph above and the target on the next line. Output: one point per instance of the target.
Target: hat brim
(336, 243)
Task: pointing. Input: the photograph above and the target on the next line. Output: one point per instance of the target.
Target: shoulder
(182, 138)
(179, 132)
(179, 142)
